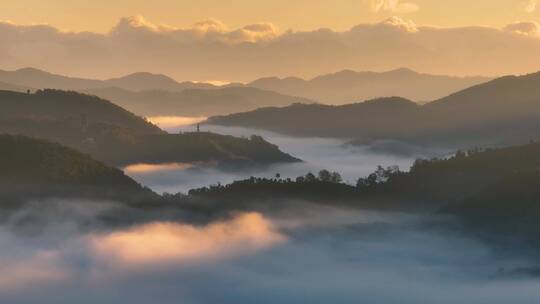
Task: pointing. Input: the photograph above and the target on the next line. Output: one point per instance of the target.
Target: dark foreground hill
(37, 169)
(493, 193)
(502, 111)
(118, 137)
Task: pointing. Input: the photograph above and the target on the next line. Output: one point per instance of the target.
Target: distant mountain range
(504, 110)
(38, 79)
(195, 102)
(155, 94)
(118, 137)
(350, 86)
(12, 87)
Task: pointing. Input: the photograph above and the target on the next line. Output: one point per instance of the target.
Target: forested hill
(494, 192)
(113, 135)
(65, 105)
(30, 167)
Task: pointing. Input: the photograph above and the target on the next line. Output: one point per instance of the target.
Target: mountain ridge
(347, 86)
(501, 111)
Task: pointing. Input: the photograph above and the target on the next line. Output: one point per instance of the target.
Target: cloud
(394, 6)
(524, 28)
(530, 6)
(173, 243)
(211, 50)
(210, 30)
(398, 23)
(40, 269)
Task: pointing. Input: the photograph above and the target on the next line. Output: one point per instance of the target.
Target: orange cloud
(173, 243)
(524, 28)
(41, 268)
(530, 6)
(209, 50)
(394, 6)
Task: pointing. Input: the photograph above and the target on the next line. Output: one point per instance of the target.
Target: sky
(102, 15)
(243, 40)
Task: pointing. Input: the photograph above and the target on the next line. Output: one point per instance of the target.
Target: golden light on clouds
(149, 168)
(530, 6)
(41, 268)
(167, 122)
(173, 243)
(395, 6)
(101, 15)
(240, 41)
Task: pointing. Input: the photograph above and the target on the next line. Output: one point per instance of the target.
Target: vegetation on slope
(118, 137)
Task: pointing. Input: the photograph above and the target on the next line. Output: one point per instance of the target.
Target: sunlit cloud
(146, 168)
(43, 267)
(530, 6)
(394, 6)
(173, 243)
(527, 28)
(242, 54)
(167, 122)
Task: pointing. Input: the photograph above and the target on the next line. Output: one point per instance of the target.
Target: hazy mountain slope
(383, 117)
(147, 81)
(502, 111)
(349, 86)
(12, 87)
(511, 97)
(34, 78)
(62, 105)
(30, 77)
(195, 102)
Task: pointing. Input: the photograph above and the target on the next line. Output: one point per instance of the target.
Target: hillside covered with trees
(118, 137)
(32, 168)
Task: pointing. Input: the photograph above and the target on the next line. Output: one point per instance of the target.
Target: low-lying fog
(317, 154)
(86, 252)
(307, 254)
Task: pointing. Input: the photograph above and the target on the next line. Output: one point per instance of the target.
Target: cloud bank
(211, 50)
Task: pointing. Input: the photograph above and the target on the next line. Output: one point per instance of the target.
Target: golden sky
(102, 15)
(242, 40)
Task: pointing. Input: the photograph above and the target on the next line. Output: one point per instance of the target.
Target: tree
(336, 178)
(325, 176)
(310, 177)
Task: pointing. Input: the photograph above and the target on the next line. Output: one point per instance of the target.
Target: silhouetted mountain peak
(394, 100)
(146, 76)
(30, 70)
(402, 71)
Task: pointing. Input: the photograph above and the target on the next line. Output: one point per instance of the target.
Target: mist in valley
(303, 253)
(333, 154)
